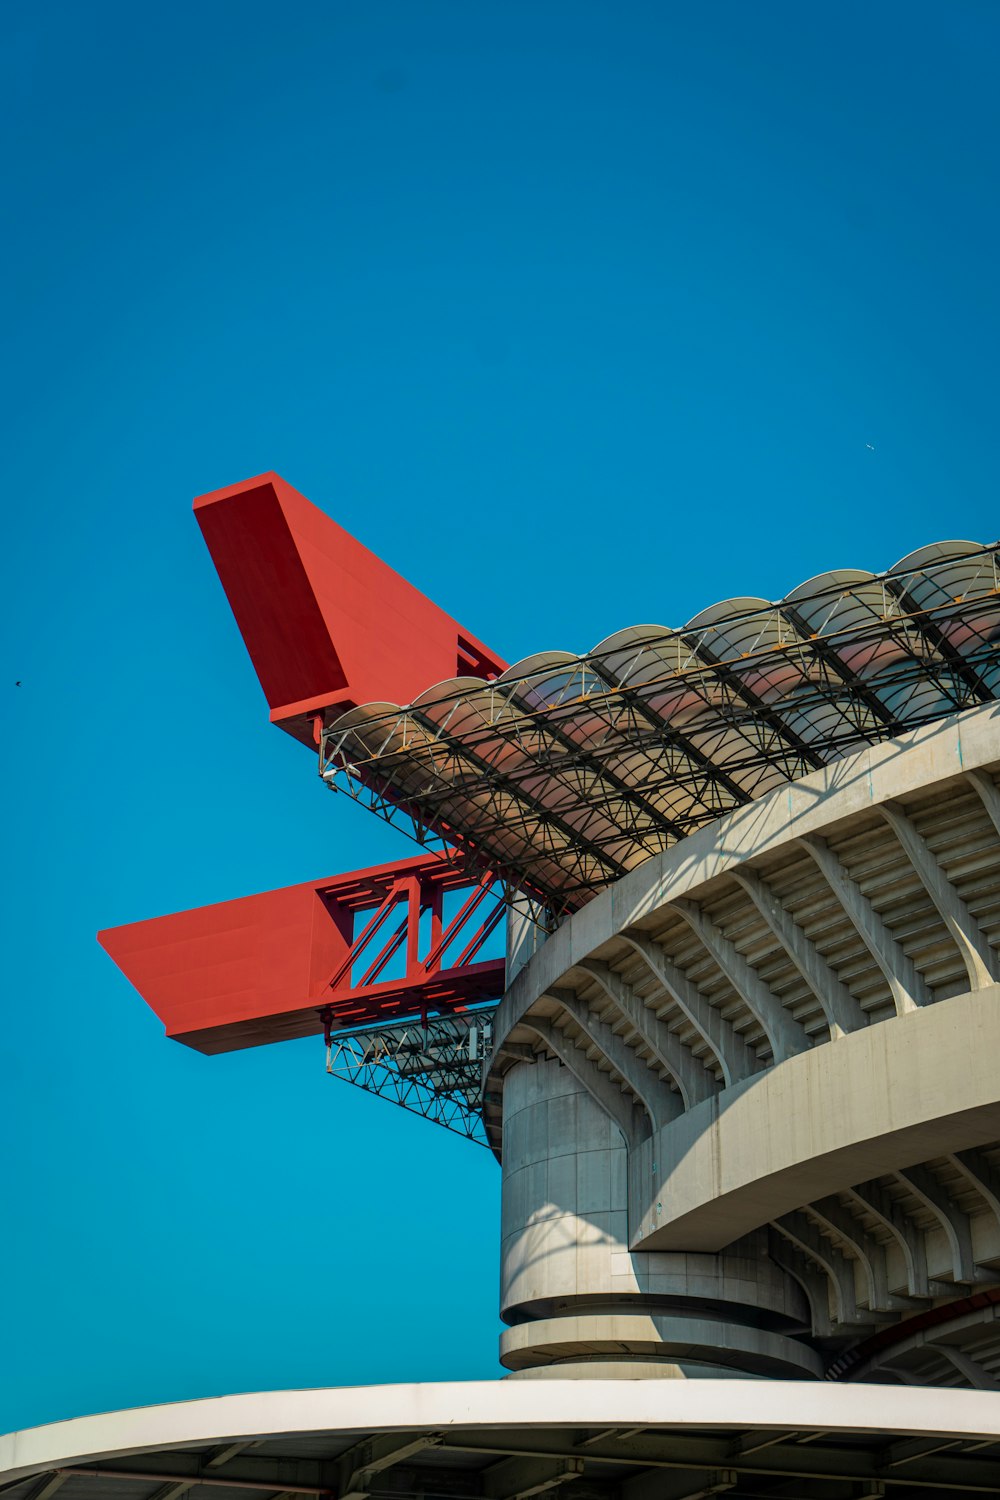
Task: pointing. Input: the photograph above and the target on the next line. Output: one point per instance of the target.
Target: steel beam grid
(611, 1463)
(561, 780)
(432, 1069)
(504, 810)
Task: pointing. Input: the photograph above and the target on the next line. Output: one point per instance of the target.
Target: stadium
(737, 1062)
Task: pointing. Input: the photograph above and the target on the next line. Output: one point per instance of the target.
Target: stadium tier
(740, 1063)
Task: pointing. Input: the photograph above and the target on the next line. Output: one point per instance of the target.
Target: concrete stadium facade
(747, 1101)
(739, 1066)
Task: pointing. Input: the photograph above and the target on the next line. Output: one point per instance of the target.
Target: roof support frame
(938, 642)
(677, 779)
(627, 1116)
(835, 664)
(680, 741)
(464, 752)
(656, 1097)
(867, 1250)
(762, 710)
(921, 1181)
(533, 808)
(693, 1080)
(976, 1168)
(976, 953)
(736, 1059)
(843, 1013)
(549, 725)
(785, 1035)
(873, 1197)
(798, 1228)
(906, 986)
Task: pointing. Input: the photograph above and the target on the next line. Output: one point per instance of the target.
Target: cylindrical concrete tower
(578, 1300)
(747, 1099)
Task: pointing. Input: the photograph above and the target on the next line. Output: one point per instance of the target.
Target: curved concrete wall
(567, 1271)
(758, 1076)
(883, 1098)
(937, 755)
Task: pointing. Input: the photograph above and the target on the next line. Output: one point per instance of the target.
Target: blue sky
(578, 314)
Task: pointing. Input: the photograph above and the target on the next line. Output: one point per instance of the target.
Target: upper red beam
(328, 625)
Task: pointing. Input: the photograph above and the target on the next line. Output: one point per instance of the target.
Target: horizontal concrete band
(680, 1405)
(588, 1368)
(918, 1087)
(671, 1336)
(564, 1220)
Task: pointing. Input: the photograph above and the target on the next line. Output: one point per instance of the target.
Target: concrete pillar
(579, 1300)
(528, 925)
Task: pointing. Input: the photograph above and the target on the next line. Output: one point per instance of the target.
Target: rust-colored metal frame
(309, 957)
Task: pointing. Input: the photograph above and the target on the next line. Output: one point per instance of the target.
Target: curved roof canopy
(567, 771)
(516, 1439)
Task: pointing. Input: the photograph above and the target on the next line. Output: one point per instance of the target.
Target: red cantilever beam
(263, 968)
(328, 625)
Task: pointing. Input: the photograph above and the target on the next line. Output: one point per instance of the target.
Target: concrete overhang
(918, 1087)
(491, 1418)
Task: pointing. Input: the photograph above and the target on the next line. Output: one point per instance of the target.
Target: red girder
(263, 968)
(328, 625)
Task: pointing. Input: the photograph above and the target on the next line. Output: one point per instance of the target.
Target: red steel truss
(328, 626)
(296, 961)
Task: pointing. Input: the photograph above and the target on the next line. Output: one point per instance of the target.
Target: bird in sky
(871, 446)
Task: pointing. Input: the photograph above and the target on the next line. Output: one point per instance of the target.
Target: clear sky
(581, 315)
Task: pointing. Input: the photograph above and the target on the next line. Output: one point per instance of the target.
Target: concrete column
(579, 1301)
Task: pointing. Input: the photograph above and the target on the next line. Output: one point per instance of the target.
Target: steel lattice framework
(566, 772)
(432, 1068)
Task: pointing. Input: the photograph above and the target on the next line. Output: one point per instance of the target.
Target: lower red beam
(262, 968)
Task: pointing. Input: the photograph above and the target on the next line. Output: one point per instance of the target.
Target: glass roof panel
(568, 770)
